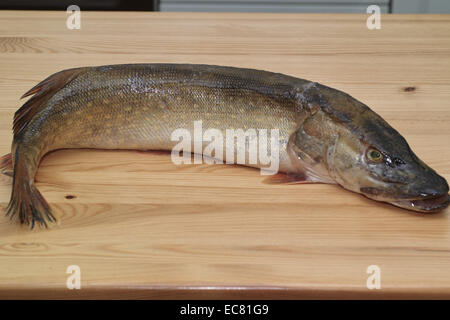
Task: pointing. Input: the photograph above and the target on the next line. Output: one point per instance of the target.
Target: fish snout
(430, 185)
(429, 193)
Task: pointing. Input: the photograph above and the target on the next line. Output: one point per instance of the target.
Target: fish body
(139, 106)
(324, 135)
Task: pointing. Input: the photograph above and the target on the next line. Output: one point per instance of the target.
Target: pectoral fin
(287, 178)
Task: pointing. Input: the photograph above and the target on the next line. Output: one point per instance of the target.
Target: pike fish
(325, 135)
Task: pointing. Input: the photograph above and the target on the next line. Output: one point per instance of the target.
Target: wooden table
(140, 227)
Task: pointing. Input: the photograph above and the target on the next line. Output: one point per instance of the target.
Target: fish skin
(138, 106)
(133, 106)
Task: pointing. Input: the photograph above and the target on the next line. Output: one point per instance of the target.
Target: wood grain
(140, 227)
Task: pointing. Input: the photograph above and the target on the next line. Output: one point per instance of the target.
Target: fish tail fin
(41, 92)
(6, 164)
(26, 202)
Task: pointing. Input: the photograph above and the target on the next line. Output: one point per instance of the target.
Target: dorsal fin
(6, 164)
(43, 91)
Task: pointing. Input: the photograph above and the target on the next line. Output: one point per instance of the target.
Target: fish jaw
(426, 205)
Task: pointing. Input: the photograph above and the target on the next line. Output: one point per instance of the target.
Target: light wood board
(140, 227)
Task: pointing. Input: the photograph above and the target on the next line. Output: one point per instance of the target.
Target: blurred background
(308, 6)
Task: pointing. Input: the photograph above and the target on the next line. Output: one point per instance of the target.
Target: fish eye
(374, 155)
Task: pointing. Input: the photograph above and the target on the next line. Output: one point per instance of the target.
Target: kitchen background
(309, 6)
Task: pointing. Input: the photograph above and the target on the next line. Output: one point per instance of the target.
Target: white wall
(420, 6)
(356, 6)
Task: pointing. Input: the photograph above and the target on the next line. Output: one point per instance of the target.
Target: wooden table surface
(140, 227)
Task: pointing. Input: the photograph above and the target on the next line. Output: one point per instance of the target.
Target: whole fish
(325, 135)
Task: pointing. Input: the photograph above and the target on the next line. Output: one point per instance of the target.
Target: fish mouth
(427, 205)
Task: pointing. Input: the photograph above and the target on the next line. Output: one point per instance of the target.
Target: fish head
(364, 154)
(372, 158)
